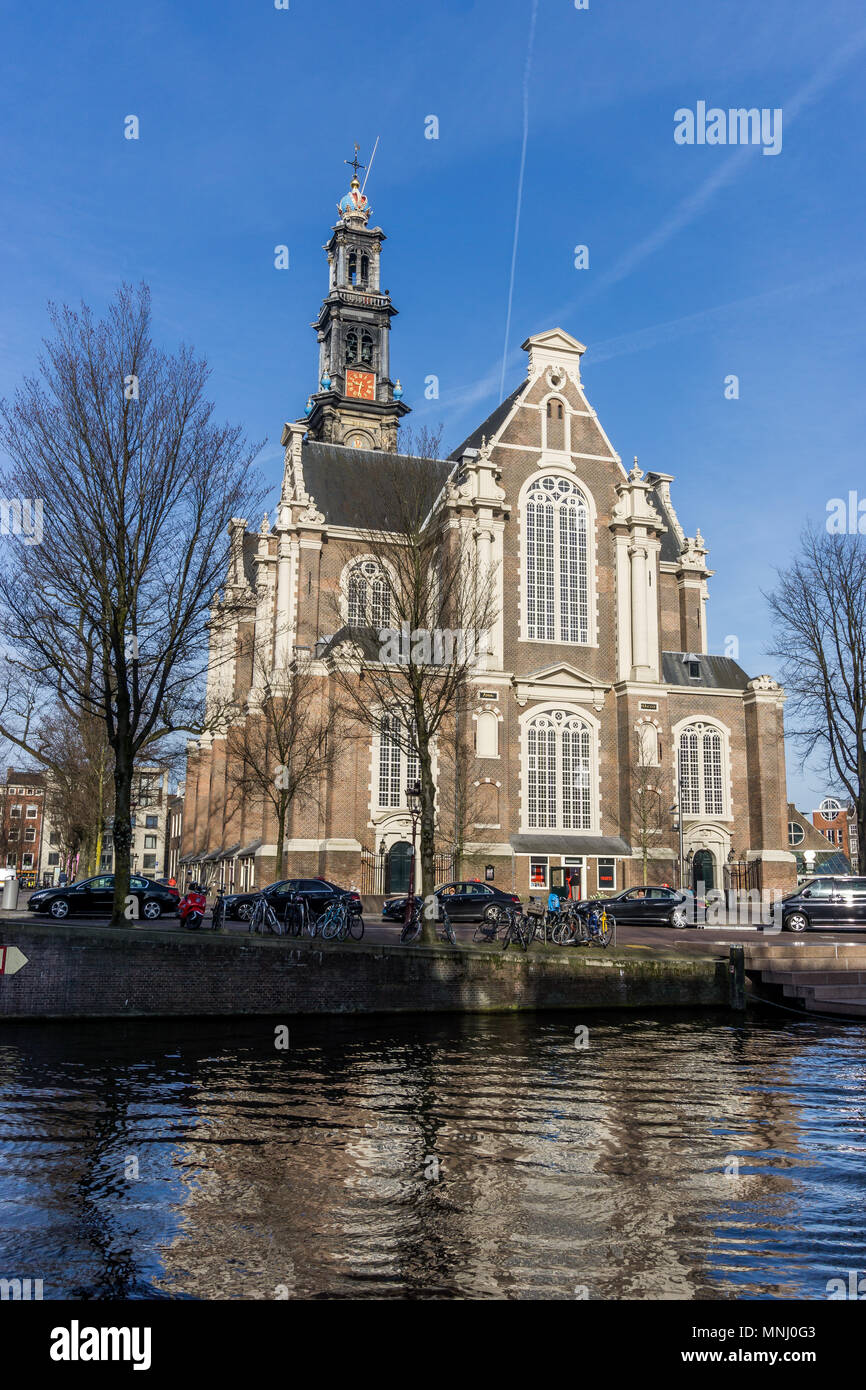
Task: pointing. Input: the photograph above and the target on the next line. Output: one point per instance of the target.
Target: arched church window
(555, 425)
(365, 269)
(556, 518)
(369, 596)
(559, 761)
(701, 771)
(353, 267)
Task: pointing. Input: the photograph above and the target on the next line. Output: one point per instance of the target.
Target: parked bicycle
(338, 921)
(585, 927)
(218, 916)
(412, 929)
(264, 918)
(520, 929)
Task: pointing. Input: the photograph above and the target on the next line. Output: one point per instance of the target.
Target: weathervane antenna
(370, 165)
(354, 162)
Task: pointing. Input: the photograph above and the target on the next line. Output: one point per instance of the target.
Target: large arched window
(559, 765)
(368, 595)
(556, 519)
(701, 771)
(398, 768)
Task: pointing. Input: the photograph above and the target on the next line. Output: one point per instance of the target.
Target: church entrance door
(399, 864)
(703, 870)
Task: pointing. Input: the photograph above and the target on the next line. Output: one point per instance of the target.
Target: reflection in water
(473, 1157)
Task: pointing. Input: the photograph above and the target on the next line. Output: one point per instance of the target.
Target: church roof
(352, 487)
(717, 672)
(488, 427)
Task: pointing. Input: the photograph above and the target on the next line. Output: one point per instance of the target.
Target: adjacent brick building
(597, 689)
(22, 815)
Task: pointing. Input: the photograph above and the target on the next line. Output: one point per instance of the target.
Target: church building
(607, 746)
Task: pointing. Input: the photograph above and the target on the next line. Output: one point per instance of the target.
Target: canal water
(661, 1156)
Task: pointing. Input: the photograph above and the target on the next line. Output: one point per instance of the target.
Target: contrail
(526, 76)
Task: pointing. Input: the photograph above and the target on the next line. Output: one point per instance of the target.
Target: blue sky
(705, 260)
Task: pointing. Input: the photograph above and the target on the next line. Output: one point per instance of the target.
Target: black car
(650, 907)
(94, 897)
(317, 892)
(471, 901)
(824, 904)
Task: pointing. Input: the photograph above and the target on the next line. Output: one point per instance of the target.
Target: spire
(355, 401)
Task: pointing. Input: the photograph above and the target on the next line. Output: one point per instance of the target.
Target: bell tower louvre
(356, 403)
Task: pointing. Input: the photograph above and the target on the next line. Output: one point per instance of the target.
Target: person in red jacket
(193, 905)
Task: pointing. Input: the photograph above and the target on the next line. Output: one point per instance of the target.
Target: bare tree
(418, 626)
(649, 792)
(79, 790)
(818, 612)
(281, 753)
(114, 444)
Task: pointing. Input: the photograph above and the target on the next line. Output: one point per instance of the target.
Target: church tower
(356, 403)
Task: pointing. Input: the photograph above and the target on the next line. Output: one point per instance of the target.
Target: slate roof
(578, 843)
(717, 672)
(352, 487)
(488, 427)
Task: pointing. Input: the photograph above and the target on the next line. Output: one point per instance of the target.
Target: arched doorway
(399, 865)
(703, 870)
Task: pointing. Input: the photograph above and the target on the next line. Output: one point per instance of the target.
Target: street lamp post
(677, 809)
(413, 801)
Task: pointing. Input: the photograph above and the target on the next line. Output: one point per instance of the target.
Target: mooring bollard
(737, 976)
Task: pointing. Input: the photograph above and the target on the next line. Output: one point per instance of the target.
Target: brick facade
(633, 673)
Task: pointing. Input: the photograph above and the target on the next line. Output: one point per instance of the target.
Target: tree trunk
(122, 831)
(281, 838)
(428, 841)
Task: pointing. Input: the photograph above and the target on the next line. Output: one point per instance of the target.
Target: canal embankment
(74, 972)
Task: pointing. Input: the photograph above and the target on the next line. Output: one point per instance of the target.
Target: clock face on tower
(361, 385)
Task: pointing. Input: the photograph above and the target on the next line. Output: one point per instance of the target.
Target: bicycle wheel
(255, 919)
(529, 929)
(412, 930)
(356, 926)
(273, 922)
(328, 925)
(449, 931)
(509, 933)
(605, 928)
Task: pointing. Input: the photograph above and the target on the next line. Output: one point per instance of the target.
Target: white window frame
(544, 861)
(709, 725)
(402, 769)
(606, 859)
(587, 635)
(562, 715)
(372, 616)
